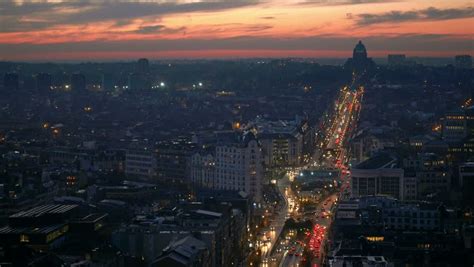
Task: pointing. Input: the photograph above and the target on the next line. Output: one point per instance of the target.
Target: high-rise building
(239, 163)
(78, 82)
(463, 61)
(143, 66)
(455, 126)
(44, 82)
(396, 59)
(107, 81)
(11, 81)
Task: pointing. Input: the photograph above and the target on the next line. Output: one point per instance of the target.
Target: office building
(140, 162)
(379, 175)
(455, 126)
(172, 160)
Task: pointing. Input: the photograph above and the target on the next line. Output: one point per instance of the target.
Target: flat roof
(30, 230)
(379, 161)
(44, 210)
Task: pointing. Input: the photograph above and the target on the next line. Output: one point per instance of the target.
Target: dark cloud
(14, 17)
(155, 29)
(267, 17)
(406, 42)
(423, 14)
(150, 29)
(344, 2)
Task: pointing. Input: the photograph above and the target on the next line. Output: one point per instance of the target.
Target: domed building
(359, 63)
(360, 53)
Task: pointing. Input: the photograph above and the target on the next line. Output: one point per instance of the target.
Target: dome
(360, 48)
(360, 53)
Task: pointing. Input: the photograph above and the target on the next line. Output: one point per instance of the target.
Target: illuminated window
(24, 239)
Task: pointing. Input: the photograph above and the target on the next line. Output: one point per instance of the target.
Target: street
(331, 153)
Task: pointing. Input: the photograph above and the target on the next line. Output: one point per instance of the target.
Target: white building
(239, 164)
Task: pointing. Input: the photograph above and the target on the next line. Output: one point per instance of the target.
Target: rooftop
(44, 210)
(379, 161)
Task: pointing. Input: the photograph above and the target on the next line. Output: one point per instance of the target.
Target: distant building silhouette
(108, 82)
(463, 61)
(140, 80)
(10, 81)
(143, 66)
(44, 82)
(78, 82)
(359, 63)
(396, 60)
(360, 52)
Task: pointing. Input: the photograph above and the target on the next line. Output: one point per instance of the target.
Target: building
(463, 62)
(203, 169)
(359, 63)
(11, 81)
(367, 142)
(359, 261)
(172, 160)
(455, 126)
(396, 60)
(284, 142)
(359, 54)
(185, 252)
(143, 66)
(379, 175)
(466, 182)
(217, 225)
(108, 82)
(78, 82)
(140, 162)
(239, 163)
(104, 160)
(138, 81)
(40, 228)
(44, 82)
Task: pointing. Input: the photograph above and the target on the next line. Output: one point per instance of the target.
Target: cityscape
(184, 133)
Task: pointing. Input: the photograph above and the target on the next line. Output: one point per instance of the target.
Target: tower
(143, 66)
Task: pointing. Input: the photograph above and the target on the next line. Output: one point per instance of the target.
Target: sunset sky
(120, 30)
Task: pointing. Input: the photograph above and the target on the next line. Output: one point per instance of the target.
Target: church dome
(359, 51)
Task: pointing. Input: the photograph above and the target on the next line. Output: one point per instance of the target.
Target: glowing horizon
(74, 30)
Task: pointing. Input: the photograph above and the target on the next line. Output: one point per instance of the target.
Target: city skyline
(122, 30)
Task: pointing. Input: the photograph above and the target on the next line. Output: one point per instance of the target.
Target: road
(331, 153)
